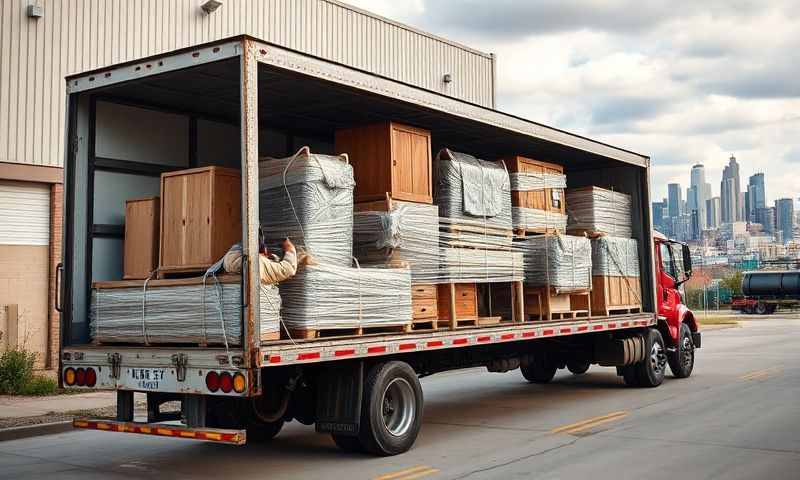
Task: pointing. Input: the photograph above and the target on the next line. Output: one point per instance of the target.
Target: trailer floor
(736, 417)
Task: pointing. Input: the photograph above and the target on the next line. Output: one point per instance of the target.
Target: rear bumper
(216, 435)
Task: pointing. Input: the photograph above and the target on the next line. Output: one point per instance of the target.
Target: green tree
(734, 282)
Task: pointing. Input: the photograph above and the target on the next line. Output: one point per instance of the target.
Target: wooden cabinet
(423, 302)
(389, 158)
(549, 199)
(462, 296)
(140, 247)
(201, 217)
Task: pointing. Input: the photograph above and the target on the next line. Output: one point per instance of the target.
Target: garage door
(24, 213)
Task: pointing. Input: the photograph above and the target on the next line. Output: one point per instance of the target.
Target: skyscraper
(699, 193)
(784, 217)
(712, 212)
(766, 217)
(756, 197)
(675, 201)
(730, 193)
(658, 215)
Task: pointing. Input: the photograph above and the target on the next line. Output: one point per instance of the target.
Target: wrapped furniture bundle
(562, 262)
(595, 209)
(409, 233)
(543, 219)
(177, 311)
(473, 196)
(615, 257)
(309, 198)
(329, 297)
(480, 266)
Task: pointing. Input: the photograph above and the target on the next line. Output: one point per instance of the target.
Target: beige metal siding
(78, 35)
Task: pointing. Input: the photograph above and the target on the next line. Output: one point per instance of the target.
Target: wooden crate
(545, 304)
(201, 217)
(389, 158)
(612, 295)
(458, 303)
(140, 248)
(549, 199)
(424, 306)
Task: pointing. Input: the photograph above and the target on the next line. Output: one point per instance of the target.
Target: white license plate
(147, 378)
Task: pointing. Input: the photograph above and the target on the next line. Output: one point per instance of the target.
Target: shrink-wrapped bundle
(562, 262)
(309, 198)
(177, 311)
(328, 296)
(615, 257)
(473, 193)
(467, 265)
(409, 234)
(597, 210)
(538, 219)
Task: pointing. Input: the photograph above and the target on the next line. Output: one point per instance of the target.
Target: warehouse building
(43, 41)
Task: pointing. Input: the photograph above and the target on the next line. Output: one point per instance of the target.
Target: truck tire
(348, 443)
(681, 360)
(761, 308)
(539, 371)
(391, 410)
(263, 432)
(772, 309)
(650, 372)
(578, 367)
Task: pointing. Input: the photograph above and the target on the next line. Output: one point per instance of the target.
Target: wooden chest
(201, 217)
(459, 297)
(140, 250)
(389, 158)
(549, 199)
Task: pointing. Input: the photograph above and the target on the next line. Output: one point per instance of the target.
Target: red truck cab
(675, 320)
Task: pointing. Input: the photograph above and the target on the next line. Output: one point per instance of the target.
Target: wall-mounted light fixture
(211, 6)
(35, 11)
(447, 78)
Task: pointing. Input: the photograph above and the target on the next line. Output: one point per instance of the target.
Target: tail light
(69, 376)
(91, 377)
(225, 382)
(80, 377)
(239, 383)
(212, 381)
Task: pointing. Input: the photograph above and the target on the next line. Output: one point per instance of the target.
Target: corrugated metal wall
(78, 35)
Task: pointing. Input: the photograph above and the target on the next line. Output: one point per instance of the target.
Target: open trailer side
(242, 98)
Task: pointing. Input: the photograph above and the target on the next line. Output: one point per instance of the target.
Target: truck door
(667, 277)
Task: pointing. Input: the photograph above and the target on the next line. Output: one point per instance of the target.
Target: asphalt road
(738, 416)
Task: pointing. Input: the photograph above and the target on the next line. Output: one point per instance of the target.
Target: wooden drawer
(424, 308)
(419, 292)
(463, 295)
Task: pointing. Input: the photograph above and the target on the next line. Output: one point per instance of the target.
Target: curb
(27, 431)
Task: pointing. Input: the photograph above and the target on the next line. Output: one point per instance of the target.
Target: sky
(684, 82)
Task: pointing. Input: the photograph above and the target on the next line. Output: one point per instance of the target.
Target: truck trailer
(241, 98)
(766, 291)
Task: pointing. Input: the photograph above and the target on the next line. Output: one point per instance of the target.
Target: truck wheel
(630, 375)
(348, 443)
(681, 361)
(578, 367)
(748, 309)
(649, 372)
(263, 432)
(539, 371)
(391, 411)
(772, 309)
(761, 308)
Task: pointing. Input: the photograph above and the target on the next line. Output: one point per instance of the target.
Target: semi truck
(240, 98)
(765, 291)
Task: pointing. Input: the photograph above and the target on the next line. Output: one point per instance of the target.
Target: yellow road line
(412, 472)
(589, 422)
(760, 374)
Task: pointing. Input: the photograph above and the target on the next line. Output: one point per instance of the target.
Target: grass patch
(716, 320)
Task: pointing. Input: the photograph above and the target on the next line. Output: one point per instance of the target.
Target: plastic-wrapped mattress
(309, 198)
(562, 262)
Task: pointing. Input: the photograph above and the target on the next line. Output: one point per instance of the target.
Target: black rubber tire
(772, 309)
(748, 310)
(258, 432)
(374, 434)
(348, 443)
(539, 371)
(651, 371)
(630, 375)
(761, 308)
(578, 367)
(681, 361)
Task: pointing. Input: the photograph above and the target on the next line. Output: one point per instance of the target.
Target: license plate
(147, 378)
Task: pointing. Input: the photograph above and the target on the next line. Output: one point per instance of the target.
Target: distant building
(766, 217)
(784, 218)
(755, 197)
(699, 193)
(713, 219)
(675, 201)
(658, 215)
(731, 193)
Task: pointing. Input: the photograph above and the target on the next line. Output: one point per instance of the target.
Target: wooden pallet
(528, 232)
(622, 310)
(477, 237)
(616, 295)
(312, 333)
(542, 303)
(425, 324)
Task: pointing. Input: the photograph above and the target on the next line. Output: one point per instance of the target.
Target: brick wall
(56, 217)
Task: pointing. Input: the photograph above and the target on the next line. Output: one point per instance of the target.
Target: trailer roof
(308, 94)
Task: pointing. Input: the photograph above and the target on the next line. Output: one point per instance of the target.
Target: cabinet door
(197, 219)
(537, 198)
(172, 231)
(411, 165)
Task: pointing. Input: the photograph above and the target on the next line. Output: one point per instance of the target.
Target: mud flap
(339, 392)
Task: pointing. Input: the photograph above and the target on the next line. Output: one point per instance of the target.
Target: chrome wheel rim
(398, 408)
(687, 351)
(657, 358)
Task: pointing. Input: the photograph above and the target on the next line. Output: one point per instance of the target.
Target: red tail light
(212, 381)
(91, 377)
(226, 382)
(80, 377)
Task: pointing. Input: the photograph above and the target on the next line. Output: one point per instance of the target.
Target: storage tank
(782, 284)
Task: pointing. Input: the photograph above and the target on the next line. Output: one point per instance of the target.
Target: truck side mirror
(687, 261)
